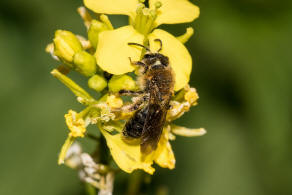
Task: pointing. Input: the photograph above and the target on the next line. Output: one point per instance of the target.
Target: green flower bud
(119, 82)
(66, 45)
(95, 28)
(97, 83)
(84, 63)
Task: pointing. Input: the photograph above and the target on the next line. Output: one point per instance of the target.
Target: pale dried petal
(183, 131)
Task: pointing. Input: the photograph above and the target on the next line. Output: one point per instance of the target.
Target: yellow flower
(111, 53)
(77, 128)
(75, 124)
(143, 21)
(171, 11)
(175, 11)
(129, 157)
(124, 7)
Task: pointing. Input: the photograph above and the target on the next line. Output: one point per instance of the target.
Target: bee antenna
(137, 44)
(160, 44)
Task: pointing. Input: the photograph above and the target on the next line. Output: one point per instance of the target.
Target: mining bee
(156, 80)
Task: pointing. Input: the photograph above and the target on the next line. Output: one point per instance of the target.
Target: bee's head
(154, 60)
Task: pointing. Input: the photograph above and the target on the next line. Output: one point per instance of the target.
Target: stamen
(85, 16)
(158, 4)
(139, 16)
(145, 18)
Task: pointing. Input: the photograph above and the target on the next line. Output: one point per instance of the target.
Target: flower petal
(124, 7)
(183, 131)
(113, 52)
(128, 157)
(175, 11)
(164, 154)
(179, 57)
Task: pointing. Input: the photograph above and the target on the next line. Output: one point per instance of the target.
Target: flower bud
(114, 102)
(84, 63)
(119, 82)
(66, 45)
(95, 28)
(97, 83)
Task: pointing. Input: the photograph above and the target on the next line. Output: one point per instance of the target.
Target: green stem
(90, 190)
(135, 182)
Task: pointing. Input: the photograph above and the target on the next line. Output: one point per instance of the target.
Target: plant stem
(135, 182)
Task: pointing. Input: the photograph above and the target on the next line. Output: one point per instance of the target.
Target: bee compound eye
(164, 60)
(148, 55)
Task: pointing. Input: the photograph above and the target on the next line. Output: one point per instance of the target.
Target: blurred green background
(242, 71)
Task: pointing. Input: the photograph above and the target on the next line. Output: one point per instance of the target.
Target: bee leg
(158, 93)
(145, 69)
(124, 92)
(132, 107)
(138, 103)
(138, 63)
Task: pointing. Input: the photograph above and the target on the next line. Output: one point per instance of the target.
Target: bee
(156, 81)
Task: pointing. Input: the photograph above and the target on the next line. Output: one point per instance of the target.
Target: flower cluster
(103, 57)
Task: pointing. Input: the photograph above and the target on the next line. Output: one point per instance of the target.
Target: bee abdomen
(134, 126)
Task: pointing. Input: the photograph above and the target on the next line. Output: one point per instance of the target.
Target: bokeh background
(242, 71)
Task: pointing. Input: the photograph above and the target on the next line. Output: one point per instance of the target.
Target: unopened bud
(95, 28)
(119, 82)
(66, 45)
(97, 83)
(84, 63)
(158, 4)
(114, 102)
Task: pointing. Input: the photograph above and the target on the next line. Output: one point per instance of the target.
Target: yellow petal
(183, 131)
(128, 157)
(179, 57)
(175, 11)
(164, 154)
(123, 7)
(113, 52)
(75, 124)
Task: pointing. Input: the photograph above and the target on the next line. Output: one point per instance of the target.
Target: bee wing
(152, 128)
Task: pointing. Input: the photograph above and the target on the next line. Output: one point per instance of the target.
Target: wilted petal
(183, 131)
(113, 52)
(179, 57)
(75, 124)
(72, 158)
(123, 7)
(175, 11)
